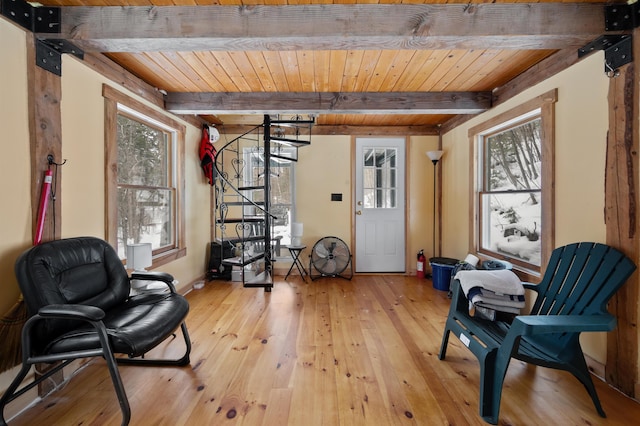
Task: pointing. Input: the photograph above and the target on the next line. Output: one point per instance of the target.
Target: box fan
(330, 257)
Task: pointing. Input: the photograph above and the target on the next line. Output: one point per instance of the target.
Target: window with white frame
(281, 185)
(513, 180)
(144, 177)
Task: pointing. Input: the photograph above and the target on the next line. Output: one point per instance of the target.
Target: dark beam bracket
(49, 54)
(621, 17)
(618, 48)
(617, 51)
(40, 19)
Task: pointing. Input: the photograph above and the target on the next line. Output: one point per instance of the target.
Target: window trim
(247, 155)
(112, 98)
(546, 104)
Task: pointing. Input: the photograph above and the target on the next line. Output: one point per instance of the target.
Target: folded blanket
(499, 281)
(503, 303)
(487, 296)
(497, 308)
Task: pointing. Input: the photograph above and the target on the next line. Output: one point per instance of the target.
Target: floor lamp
(434, 156)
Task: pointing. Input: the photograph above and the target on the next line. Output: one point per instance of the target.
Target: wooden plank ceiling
(370, 63)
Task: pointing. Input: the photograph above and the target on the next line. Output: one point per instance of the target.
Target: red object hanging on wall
(42, 209)
(207, 155)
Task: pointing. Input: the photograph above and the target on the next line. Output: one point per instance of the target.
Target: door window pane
(379, 178)
(368, 157)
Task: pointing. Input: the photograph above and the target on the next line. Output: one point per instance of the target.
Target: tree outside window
(144, 177)
(513, 199)
(511, 206)
(146, 195)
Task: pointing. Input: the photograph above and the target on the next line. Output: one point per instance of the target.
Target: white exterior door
(380, 205)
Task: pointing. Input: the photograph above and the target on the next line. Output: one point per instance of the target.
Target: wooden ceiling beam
(345, 129)
(331, 27)
(328, 102)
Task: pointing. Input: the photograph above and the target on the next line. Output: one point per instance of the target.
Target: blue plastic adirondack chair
(572, 298)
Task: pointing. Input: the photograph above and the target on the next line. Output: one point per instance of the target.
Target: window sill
(525, 274)
(168, 256)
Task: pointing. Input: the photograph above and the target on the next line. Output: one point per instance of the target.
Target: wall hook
(611, 72)
(52, 162)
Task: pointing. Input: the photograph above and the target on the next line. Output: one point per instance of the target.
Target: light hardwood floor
(330, 352)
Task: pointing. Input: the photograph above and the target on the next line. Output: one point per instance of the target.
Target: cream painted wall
(324, 168)
(420, 176)
(83, 174)
(581, 129)
(15, 174)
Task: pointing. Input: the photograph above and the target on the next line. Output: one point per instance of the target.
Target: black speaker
(216, 270)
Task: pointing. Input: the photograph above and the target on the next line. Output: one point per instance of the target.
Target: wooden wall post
(45, 133)
(621, 215)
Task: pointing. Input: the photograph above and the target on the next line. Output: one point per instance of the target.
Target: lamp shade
(435, 155)
(296, 233)
(139, 256)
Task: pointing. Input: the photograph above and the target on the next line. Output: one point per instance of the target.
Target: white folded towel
(499, 281)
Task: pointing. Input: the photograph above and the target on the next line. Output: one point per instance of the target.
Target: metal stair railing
(232, 192)
(234, 187)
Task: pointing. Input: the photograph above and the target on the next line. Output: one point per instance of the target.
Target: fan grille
(330, 256)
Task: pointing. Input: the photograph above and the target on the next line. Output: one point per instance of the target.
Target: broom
(10, 335)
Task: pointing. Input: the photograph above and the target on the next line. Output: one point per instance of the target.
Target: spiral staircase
(243, 214)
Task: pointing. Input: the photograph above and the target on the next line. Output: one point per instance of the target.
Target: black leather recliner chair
(78, 295)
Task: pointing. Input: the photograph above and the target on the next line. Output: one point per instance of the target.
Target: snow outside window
(510, 191)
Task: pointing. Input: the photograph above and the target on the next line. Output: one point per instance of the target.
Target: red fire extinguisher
(421, 264)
